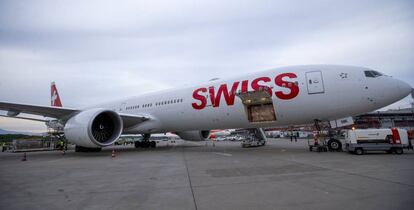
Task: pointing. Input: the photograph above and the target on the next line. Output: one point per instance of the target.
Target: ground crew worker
(315, 138)
(61, 144)
(3, 147)
(296, 136)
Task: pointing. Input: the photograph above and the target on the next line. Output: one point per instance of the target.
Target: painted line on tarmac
(223, 154)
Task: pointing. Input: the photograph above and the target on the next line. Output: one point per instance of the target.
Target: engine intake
(94, 128)
(194, 135)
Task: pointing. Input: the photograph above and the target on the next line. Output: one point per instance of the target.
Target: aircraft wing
(46, 111)
(26, 118)
(59, 112)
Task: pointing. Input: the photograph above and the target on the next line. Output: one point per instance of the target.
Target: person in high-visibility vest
(61, 144)
(3, 146)
(315, 138)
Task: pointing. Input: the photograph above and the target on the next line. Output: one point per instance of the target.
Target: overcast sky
(99, 50)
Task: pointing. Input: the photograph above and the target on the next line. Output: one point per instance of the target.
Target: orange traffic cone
(113, 153)
(24, 157)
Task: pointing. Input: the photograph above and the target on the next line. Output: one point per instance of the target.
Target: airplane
(277, 97)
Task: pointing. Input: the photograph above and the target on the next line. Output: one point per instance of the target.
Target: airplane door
(122, 107)
(314, 82)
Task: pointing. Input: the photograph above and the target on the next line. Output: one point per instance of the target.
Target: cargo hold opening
(258, 105)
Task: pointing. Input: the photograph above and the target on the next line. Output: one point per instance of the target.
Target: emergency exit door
(314, 82)
(122, 107)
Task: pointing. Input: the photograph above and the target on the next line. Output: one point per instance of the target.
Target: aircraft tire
(359, 151)
(398, 151)
(334, 145)
(153, 144)
(87, 149)
(137, 144)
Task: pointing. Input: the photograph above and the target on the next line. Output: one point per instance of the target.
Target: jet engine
(194, 135)
(94, 128)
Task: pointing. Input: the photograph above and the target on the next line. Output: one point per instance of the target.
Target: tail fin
(54, 96)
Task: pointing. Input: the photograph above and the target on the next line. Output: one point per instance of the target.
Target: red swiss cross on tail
(54, 96)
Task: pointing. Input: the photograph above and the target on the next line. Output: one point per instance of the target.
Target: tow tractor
(254, 138)
(252, 142)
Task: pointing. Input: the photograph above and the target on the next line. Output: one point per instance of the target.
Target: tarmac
(198, 175)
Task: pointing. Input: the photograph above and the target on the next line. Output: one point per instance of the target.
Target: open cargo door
(259, 105)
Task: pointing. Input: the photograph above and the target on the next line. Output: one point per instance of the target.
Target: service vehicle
(392, 140)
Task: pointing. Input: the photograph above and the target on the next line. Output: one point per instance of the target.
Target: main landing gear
(87, 149)
(321, 142)
(145, 142)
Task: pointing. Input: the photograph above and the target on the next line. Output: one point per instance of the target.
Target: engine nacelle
(94, 128)
(194, 135)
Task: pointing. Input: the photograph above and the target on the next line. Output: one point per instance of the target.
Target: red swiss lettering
(201, 98)
(228, 96)
(244, 86)
(294, 89)
(256, 86)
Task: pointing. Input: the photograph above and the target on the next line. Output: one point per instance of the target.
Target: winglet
(54, 96)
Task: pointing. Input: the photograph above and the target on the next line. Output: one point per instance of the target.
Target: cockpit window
(372, 73)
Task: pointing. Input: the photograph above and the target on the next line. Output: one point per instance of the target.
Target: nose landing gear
(145, 142)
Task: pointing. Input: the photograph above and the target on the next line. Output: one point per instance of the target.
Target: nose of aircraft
(404, 88)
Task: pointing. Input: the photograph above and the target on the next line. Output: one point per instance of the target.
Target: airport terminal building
(402, 118)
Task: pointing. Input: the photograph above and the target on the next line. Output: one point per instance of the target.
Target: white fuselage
(300, 94)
